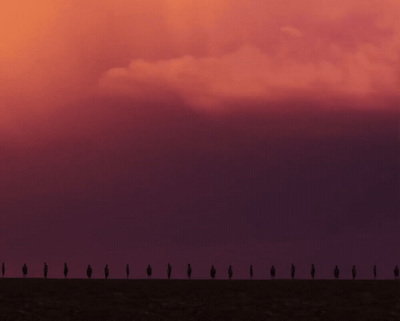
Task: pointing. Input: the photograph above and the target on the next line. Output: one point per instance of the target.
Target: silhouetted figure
(45, 270)
(189, 271)
(213, 271)
(251, 271)
(169, 271)
(24, 270)
(149, 271)
(106, 271)
(127, 271)
(272, 272)
(312, 271)
(374, 271)
(3, 270)
(65, 270)
(292, 271)
(396, 272)
(89, 271)
(336, 272)
(354, 272)
(230, 272)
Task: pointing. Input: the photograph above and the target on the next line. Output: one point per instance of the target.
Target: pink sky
(188, 129)
(206, 52)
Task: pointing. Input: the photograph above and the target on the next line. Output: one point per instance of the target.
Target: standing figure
(149, 271)
(272, 272)
(189, 271)
(251, 271)
(65, 270)
(24, 270)
(312, 271)
(3, 270)
(374, 271)
(106, 271)
(89, 271)
(292, 271)
(353, 272)
(230, 272)
(45, 269)
(169, 271)
(336, 272)
(396, 272)
(127, 271)
(213, 271)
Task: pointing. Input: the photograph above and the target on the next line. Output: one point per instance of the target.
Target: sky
(203, 132)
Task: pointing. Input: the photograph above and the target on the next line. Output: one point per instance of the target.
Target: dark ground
(53, 299)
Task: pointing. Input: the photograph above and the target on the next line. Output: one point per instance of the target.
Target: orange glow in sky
(206, 52)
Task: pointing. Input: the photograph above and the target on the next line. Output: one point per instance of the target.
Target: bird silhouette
(336, 272)
(292, 271)
(213, 272)
(230, 272)
(65, 270)
(89, 271)
(272, 272)
(106, 271)
(45, 270)
(24, 270)
(169, 271)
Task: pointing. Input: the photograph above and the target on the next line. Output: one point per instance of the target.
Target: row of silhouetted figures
(213, 271)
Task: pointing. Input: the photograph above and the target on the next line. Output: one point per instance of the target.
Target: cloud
(55, 52)
(292, 31)
(249, 73)
(274, 51)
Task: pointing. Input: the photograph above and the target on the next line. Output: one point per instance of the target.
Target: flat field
(75, 299)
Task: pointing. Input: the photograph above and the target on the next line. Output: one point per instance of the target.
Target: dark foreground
(38, 299)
